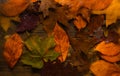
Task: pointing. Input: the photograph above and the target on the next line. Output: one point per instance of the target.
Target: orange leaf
(97, 4)
(13, 7)
(79, 22)
(115, 58)
(33, 0)
(109, 49)
(91, 4)
(13, 49)
(102, 68)
(62, 42)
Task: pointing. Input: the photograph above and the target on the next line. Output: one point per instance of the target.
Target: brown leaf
(62, 42)
(102, 68)
(56, 16)
(109, 49)
(13, 49)
(79, 23)
(45, 5)
(90, 35)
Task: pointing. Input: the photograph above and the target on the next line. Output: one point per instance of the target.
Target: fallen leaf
(109, 49)
(56, 16)
(33, 0)
(62, 42)
(79, 23)
(40, 51)
(114, 58)
(97, 4)
(5, 21)
(28, 22)
(85, 13)
(13, 49)
(45, 5)
(112, 36)
(111, 12)
(86, 38)
(103, 68)
(90, 4)
(14, 7)
(74, 5)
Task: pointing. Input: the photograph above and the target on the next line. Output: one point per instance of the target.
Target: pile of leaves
(84, 34)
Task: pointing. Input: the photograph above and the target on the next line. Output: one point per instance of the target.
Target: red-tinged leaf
(62, 42)
(28, 22)
(13, 49)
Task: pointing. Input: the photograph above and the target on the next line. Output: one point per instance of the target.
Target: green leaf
(39, 50)
(51, 55)
(33, 62)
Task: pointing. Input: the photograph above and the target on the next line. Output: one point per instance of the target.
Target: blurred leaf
(13, 49)
(56, 16)
(79, 23)
(28, 22)
(39, 50)
(86, 38)
(62, 42)
(103, 68)
(45, 6)
(5, 21)
(111, 12)
(109, 49)
(91, 4)
(113, 59)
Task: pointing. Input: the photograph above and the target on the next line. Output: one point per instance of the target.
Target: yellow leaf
(5, 21)
(62, 42)
(13, 49)
(112, 12)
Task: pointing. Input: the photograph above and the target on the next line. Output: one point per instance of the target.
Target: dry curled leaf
(13, 49)
(109, 49)
(62, 42)
(79, 22)
(103, 68)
